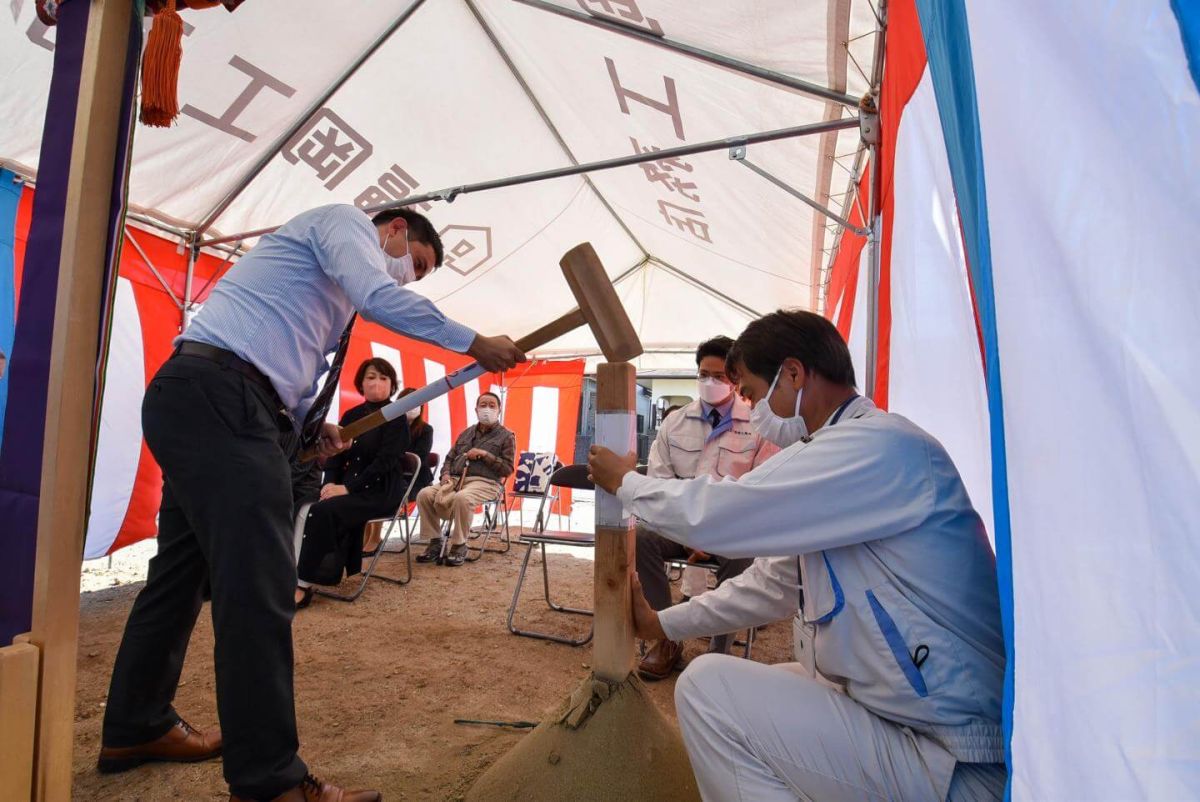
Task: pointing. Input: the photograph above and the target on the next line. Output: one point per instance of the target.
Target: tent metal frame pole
(872, 278)
(450, 194)
(158, 224)
(645, 260)
(795, 193)
(743, 67)
(193, 254)
(876, 223)
(136, 216)
(713, 291)
(276, 146)
(551, 356)
(137, 247)
(537, 105)
(850, 201)
(217, 273)
(858, 160)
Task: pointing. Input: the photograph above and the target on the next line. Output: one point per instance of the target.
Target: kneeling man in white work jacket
(902, 696)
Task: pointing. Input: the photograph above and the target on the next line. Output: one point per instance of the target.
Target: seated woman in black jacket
(420, 435)
(361, 483)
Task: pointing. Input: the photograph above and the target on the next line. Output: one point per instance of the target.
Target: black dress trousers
(226, 520)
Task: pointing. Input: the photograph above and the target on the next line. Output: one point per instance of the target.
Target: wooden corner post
(73, 352)
(616, 428)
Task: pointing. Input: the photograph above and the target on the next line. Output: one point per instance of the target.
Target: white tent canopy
(288, 106)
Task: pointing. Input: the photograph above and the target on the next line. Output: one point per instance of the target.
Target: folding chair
(495, 519)
(386, 527)
(491, 525)
(712, 566)
(575, 478)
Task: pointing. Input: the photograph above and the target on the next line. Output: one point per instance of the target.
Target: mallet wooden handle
(535, 339)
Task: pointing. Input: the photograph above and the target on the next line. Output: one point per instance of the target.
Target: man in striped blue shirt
(245, 370)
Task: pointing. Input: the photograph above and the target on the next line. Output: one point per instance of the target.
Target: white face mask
(783, 432)
(713, 391)
(400, 267)
(413, 414)
(487, 415)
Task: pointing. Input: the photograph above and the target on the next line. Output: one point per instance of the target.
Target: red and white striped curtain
(541, 398)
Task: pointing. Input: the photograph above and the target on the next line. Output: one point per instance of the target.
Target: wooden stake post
(616, 428)
(18, 718)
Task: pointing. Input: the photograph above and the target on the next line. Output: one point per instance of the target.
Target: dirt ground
(379, 682)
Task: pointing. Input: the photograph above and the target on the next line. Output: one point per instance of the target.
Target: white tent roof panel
(438, 105)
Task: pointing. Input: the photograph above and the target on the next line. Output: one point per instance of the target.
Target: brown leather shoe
(661, 660)
(311, 789)
(181, 744)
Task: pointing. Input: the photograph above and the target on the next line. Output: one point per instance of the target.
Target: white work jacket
(684, 449)
(899, 580)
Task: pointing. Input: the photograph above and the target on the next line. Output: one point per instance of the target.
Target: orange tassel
(160, 68)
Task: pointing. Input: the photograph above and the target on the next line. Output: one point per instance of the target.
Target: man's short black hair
(419, 229)
(805, 336)
(493, 395)
(717, 346)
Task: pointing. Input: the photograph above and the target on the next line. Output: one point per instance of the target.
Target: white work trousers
(764, 733)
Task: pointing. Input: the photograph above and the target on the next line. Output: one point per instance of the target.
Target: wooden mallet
(599, 308)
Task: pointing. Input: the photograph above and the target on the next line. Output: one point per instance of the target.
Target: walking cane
(462, 477)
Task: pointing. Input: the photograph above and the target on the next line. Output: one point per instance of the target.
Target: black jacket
(372, 466)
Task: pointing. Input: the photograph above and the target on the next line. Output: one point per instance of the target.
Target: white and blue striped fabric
(1083, 263)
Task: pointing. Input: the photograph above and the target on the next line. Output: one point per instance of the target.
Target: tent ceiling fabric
(469, 90)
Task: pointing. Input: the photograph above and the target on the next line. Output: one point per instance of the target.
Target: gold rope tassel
(160, 68)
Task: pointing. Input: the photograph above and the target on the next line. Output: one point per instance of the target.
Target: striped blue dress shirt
(284, 305)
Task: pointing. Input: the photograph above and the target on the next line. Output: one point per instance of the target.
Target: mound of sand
(605, 742)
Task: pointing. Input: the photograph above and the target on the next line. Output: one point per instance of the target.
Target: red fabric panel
(849, 247)
(20, 238)
(904, 64)
(843, 276)
(170, 259)
(567, 377)
(160, 321)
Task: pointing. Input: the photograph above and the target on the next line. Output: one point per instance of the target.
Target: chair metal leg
(749, 642)
(406, 551)
(546, 585)
(349, 597)
(370, 571)
(512, 608)
(490, 527)
(490, 522)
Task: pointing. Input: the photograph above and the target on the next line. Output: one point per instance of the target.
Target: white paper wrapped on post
(616, 431)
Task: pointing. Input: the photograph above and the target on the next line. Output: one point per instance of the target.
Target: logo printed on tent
(466, 247)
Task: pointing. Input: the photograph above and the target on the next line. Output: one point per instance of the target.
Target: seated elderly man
(709, 437)
(472, 473)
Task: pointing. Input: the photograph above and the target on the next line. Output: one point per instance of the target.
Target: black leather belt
(232, 361)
